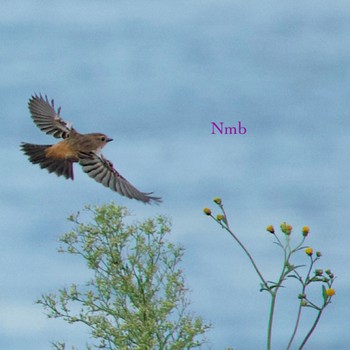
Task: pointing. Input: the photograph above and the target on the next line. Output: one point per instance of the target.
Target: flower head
(330, 273)
(330, 292)
(305, 230)
(207, 211)
(286, 228)
(217, 200)
(270, 229)
(309, 251)
(219, 217)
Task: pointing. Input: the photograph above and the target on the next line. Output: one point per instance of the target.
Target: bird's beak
(109, 140)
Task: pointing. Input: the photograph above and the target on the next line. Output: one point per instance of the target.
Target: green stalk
(312, 329)
(300, 305)
(286, 257)
(269, 328)
(227, 228)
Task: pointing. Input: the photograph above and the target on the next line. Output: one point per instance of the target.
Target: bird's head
(102, 138)
(97, 141)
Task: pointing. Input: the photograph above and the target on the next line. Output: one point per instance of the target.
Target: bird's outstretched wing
(46, 118)
(102, 170)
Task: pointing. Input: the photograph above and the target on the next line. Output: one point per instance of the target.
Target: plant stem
(300, 305)
(265, 284)
(269, 328)
(296, 327)
(248, 254)
(312, 329)
(227, 228)
(286, 256)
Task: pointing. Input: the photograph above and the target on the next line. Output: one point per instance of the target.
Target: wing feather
(46, 118)
(102, 171)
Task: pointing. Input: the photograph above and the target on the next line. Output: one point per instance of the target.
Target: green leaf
(325, 297)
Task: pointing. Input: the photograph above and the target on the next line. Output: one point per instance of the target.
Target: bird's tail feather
(37, 155)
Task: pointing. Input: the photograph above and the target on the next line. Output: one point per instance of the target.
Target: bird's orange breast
(61, 150)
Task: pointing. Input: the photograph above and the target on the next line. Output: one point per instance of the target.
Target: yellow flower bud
(270, 229)
(217, 200)
(305, 230)
(219, 217)
(286, 228)
(309, 251)
(207, 211)
(330, 292)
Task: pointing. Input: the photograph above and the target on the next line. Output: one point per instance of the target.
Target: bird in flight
(84, 149)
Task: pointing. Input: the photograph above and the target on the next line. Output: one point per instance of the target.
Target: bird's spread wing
(102, 170)
(46, 118)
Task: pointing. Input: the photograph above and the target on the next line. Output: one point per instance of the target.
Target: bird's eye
(103, 139)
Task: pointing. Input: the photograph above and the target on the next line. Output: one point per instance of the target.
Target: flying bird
(84, 149)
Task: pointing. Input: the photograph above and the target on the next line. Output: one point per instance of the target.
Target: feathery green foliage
(136, 298)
